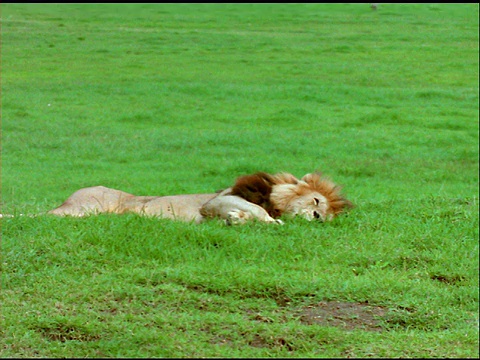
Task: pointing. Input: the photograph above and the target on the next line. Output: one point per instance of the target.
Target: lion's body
(100, 199)
(260, 196)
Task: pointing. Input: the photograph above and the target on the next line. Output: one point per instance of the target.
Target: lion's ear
(312, 178)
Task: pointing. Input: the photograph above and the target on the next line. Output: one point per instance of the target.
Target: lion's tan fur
(259, 196)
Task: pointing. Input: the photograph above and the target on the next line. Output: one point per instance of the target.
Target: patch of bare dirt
(449, 280)
(347, 315)
(259, 341)
(65, 333)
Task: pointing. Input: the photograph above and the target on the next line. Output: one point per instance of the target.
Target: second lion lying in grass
(260, 196)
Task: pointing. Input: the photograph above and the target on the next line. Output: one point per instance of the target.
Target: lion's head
(312, 197)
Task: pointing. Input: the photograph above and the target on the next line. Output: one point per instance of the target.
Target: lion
(260, 196)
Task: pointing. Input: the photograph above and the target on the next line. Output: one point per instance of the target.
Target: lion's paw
(236, 217)
(274, 221)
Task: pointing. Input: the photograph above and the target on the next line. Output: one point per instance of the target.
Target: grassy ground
(160, 99)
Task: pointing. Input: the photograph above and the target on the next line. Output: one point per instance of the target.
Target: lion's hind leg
(92, 200)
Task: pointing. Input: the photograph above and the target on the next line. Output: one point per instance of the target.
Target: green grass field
(158, 99)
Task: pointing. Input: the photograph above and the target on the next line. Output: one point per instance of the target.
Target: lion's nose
(316, 215)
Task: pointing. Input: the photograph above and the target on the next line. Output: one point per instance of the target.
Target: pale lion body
(100, 199)
(260, 196)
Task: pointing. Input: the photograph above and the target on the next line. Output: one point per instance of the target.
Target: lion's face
(311, 206)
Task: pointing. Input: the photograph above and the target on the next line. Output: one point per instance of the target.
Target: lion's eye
(316, 201)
